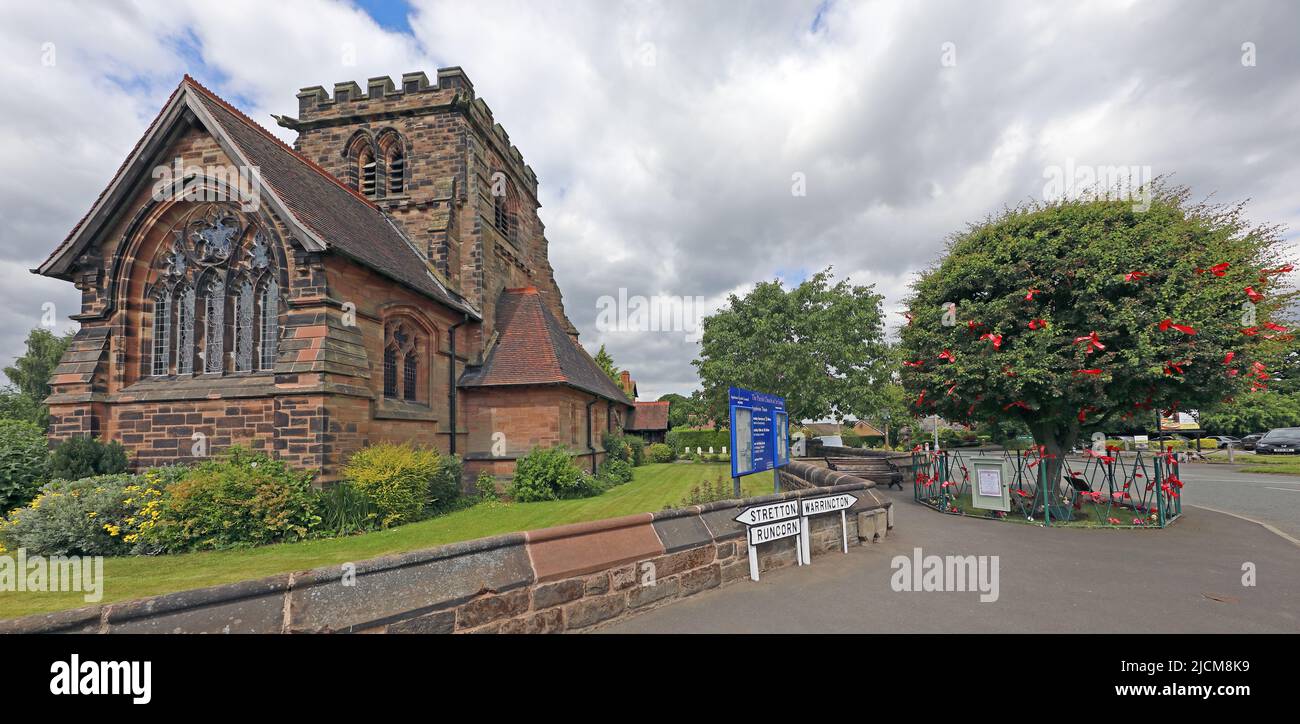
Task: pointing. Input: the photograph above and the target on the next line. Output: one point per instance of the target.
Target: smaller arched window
(405, 351)
(160, 363)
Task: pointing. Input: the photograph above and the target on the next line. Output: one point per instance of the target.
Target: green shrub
(549, 474)
(615, 472)
(445, 487)
(660, 453)
(708, 492)
(24, 462)
(84, 457)
(243, 500)
(344, 510)
(629, 448)
(486, 486)
(100, 516)
(398, 480)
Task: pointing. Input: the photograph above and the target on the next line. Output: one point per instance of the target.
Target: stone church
(384, 279)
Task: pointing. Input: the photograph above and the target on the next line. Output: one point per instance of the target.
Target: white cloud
(665, 134)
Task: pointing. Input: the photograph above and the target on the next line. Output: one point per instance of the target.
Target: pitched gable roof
(532, 348)
(323, 213)
(649, 416)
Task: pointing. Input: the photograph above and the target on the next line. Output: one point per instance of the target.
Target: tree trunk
(1055, 443)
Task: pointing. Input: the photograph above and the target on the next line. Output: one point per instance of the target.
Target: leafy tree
(1072, 315)
(30, 373)
(819, 345)
(685, 411)
(30, 378)
(606, 364)
(1251, 413)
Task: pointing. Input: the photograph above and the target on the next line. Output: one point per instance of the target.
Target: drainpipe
(451, 380)
(590, 446)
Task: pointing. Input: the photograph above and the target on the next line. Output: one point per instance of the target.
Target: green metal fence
(1119, 489)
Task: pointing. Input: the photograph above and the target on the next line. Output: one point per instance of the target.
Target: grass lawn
(652, 487)
(1252, 463)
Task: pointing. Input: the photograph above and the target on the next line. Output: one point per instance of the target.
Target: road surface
(1186, 578)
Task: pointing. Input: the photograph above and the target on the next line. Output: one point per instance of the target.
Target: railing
(1138, 489)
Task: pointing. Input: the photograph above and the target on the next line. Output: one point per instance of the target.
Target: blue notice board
(759, 432)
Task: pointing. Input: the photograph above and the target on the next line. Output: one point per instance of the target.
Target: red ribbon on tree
(1030, 296)
(917, 363)
(1038, 324)
(1094, 342)
(947, 354)
(1253, 295)
(1134, 276)
(1280, 270)
(1089, 371)
(1217, 270)
(996, 339)
(1166, 323)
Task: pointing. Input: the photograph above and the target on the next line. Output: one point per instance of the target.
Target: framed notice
(990, 481)
(991, 488)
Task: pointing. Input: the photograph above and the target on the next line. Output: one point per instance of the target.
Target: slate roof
(649, 416)
(532, 348)
(337, 216)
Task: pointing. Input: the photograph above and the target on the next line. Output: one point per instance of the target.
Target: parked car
(1282, 441)
(1225, 440)
(1248, 442)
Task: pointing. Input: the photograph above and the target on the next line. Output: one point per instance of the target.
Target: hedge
(682, 437)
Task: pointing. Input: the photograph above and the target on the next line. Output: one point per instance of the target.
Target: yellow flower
(113, 530)
(91, 514)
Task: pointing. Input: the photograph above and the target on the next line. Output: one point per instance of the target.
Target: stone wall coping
(393, 561)
(589, 527)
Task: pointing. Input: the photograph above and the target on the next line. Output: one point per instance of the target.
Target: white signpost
(774, 521)
(766, 523)
(818, 506)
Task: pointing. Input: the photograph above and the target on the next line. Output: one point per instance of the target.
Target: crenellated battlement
(315, 99)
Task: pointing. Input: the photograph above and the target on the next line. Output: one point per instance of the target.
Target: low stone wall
(568, 578)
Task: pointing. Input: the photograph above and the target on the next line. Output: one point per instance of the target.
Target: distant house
(862, 428)
(818, 429)
(649, 421)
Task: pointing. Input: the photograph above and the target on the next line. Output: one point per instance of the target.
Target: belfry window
(367, 172)
(396, 171)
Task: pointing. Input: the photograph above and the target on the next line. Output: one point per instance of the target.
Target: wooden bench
(877, 469)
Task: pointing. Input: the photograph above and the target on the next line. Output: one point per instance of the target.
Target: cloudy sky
(669, 138)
